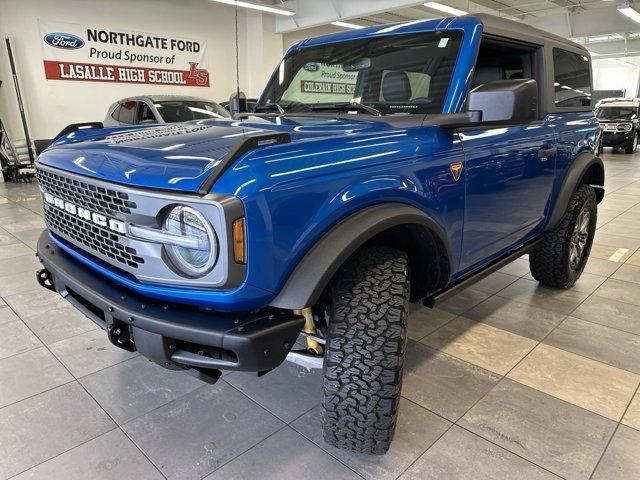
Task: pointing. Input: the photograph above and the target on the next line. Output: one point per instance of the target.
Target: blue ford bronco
(385, 166)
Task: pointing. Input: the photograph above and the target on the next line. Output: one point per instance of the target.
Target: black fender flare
(572, 179)
(307, 281)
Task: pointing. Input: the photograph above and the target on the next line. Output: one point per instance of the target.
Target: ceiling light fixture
(347, 25)
(630, 13)
(255, 6)
(445, 8)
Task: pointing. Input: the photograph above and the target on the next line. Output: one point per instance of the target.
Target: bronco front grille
(97, 199)
(91, 236)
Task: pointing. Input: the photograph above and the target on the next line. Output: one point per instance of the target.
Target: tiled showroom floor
(507, 380)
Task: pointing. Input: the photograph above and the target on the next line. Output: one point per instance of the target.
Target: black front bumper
(613, 139)
(173, 336)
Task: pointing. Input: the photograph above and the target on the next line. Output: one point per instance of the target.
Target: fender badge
(456, 170)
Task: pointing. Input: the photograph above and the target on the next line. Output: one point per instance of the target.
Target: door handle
(545, 153)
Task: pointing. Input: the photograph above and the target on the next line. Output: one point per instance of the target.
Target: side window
(115, 114)
(146, 115)
(127, 113)
(572, 79)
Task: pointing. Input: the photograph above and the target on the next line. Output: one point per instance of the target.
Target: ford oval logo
(67, 41)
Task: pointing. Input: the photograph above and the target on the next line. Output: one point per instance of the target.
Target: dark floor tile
(622, 458)
(28, 374)
(462, 455)
(199, 432)
(599, 266)
(443, 384)
(518, 267)
(423, 321)
(515, 317)
(16, 338)
(286, 455)
(88, 352)
(627, 273)
(137, 386)
(463, 301)
(532, 293)
(111, 456)
(287, 392)
(41, 427)
(611, 313)
(618, 290)
(607, 345)
(495, 282)
(416, 431)
(556, 435)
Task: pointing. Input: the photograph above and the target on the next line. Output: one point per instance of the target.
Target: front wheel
(558, 261)
(366, 341)
(633, 145)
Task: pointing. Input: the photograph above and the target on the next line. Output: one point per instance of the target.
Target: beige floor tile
(599, 266)
(488, 347)
(632, 417)
(589, 384)
(634, 259)
(606, 252)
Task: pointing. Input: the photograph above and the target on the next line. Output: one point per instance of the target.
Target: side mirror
(505, 101)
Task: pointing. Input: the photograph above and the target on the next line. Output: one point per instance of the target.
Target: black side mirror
(505, 101)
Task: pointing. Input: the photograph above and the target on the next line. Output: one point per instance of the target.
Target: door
(510, 172)
(509, 169)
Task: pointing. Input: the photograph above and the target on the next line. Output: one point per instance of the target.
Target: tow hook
(45, 279)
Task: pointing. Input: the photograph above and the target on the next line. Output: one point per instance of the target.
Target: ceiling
(596, 23)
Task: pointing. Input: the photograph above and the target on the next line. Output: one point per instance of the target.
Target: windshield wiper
(269, 106)
(347, 106)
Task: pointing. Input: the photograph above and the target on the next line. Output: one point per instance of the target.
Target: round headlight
(195, 253)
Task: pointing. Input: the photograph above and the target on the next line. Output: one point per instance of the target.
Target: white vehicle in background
(149, 109)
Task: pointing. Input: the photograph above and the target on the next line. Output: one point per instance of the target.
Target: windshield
(185, 110)
(395, 75)
(617, 113)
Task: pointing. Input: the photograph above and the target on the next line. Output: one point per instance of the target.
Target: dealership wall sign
(90, 53)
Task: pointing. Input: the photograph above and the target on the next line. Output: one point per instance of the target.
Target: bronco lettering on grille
(97, 218)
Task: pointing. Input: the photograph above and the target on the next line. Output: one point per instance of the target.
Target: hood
(181, 156)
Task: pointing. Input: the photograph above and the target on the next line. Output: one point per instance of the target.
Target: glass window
(184, 110)
(116, 112)
(617, 113)
(127, 113)
(146, 115)
(572, 78)
(401, 74)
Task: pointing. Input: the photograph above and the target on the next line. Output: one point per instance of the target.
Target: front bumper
(611, 139)
(176, 337)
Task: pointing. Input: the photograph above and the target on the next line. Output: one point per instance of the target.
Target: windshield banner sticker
(88, 53)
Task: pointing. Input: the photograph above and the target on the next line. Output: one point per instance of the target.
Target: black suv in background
(619, 123)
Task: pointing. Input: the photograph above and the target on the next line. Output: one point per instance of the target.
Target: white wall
(53, 104)
(608, 75)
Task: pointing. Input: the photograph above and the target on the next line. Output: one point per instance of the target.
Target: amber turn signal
(239, 245)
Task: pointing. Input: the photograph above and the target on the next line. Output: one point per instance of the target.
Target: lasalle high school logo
(456, 170)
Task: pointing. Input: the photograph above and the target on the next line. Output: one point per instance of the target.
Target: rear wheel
(365, 351)
(558, 261)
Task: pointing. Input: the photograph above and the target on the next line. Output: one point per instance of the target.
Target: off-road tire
(365, 347)
(633, 145)
(550, 261)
